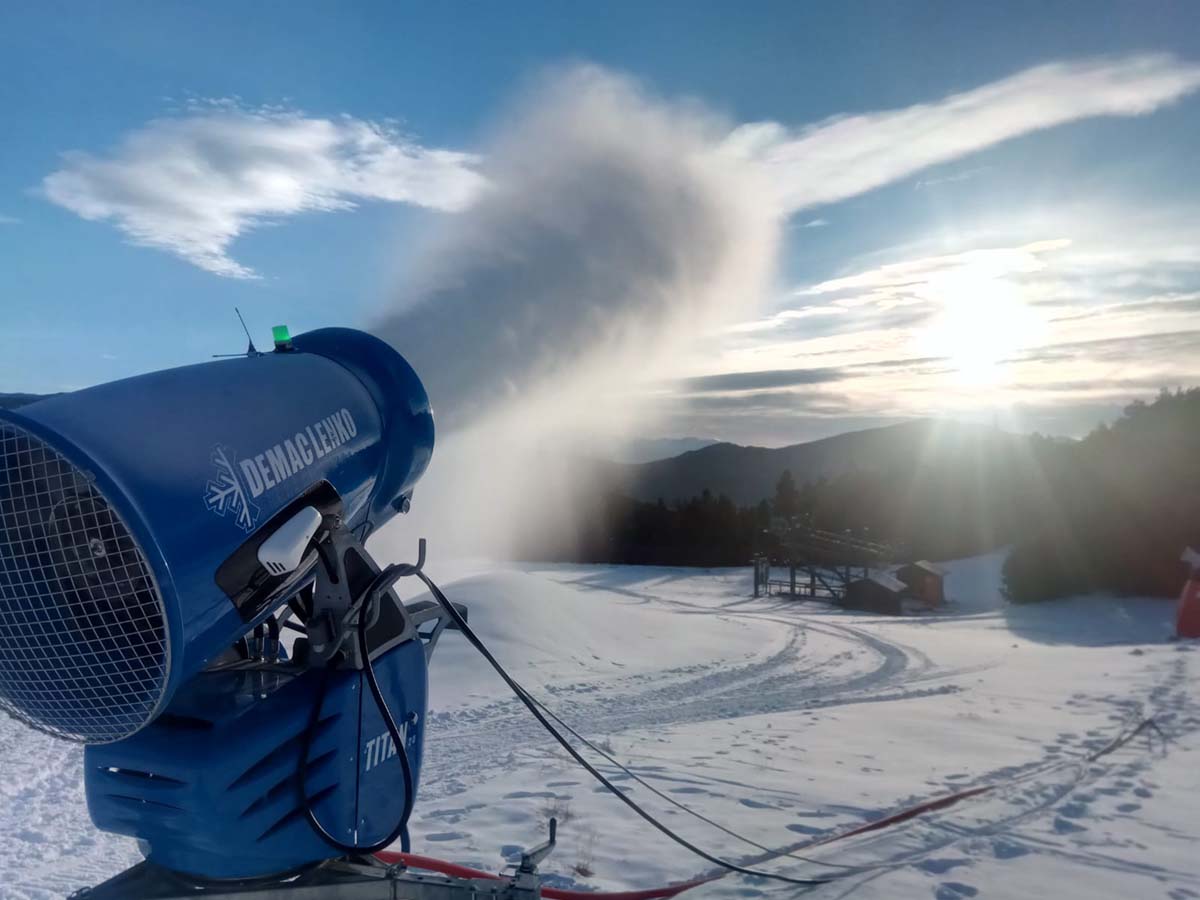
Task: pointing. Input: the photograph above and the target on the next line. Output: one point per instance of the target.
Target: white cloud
(9, 220)
(990, 262)
(955, 178)
(192, 185)
(848, 155)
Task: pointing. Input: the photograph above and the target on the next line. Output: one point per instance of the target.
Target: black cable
(774, 851)
(393, 573)
(532, 705)
(400, 831)
(300, 607)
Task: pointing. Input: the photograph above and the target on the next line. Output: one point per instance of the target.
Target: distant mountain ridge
(929, 489)
(644, 450)
(13, 401)
(749, 474)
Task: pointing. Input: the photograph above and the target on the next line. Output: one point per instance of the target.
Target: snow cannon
(185, 589)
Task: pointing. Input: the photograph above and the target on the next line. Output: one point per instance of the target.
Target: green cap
(281, 335)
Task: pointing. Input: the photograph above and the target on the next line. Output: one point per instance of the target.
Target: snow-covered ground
(784, 722)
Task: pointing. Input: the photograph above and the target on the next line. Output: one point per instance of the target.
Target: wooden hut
(925, 582)
(879, 593)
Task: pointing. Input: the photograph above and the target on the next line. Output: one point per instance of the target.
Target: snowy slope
(784, 722)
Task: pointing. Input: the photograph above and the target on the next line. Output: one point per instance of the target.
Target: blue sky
(1059, 194)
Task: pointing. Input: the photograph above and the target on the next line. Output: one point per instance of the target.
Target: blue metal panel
(211, 785)
(407, 417)
(404, 681)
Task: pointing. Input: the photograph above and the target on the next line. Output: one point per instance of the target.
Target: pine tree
(787, 497)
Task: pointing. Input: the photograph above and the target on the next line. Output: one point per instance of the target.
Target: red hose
(454, 870)
(430, 864)
(905, 814)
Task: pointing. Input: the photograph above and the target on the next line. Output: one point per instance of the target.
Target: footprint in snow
(805, 829)
(1074, 810)
(941, 866)
(1008, 850)
(445, 836)
(954, 890)
(1066, 826)
(1129, 807)
(754, 804)
(447, 816)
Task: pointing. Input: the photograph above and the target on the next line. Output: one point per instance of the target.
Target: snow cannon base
(211, 786)
(344, 879)
(268, 761)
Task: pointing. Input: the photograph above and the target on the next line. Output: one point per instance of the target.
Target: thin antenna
(251, 350)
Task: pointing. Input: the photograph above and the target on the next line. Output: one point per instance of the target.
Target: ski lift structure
(845, 570)
(821, 565)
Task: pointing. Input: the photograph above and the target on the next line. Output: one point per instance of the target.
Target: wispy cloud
(1101, 318)
(191, 185)
(762, 380)
(848, 155)
(952, 178)
(9, 220)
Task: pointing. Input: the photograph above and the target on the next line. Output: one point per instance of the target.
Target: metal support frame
(531, 859)
(333, 880)
(762, 575)
(361, 878)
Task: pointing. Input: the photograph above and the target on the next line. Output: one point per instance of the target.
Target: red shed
(925, 581)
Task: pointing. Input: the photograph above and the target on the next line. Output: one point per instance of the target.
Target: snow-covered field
(782, 721)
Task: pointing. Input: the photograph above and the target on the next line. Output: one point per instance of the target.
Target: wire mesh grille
(83, 640)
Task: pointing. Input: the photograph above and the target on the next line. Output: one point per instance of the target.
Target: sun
(984, 320)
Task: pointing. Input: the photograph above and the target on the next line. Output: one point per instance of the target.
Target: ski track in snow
(788, 722)
(786, 680)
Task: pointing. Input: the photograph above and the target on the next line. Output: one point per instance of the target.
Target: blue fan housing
(121, 503)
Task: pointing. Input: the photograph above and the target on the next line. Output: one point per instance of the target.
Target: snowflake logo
(226, 495)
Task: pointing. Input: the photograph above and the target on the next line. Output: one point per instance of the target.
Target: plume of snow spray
(615, 230)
